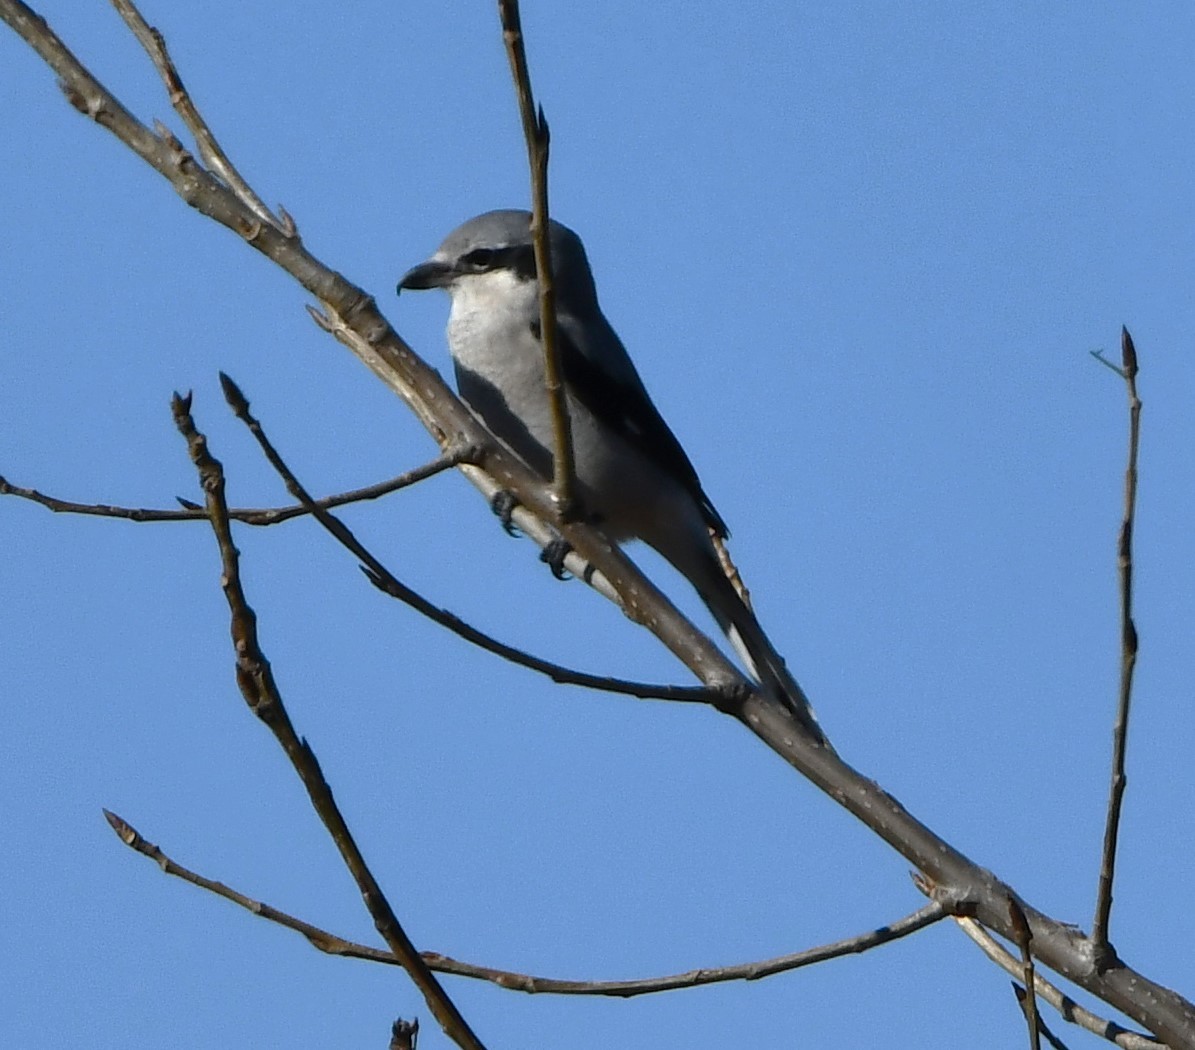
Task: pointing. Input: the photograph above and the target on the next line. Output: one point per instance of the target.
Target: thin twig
(385, 581)
(321, 939)
(1024, 938)
(1099, 356)
(256, 681)
(388, 583)
(331, 944)
(1066, 1006)
(1128, 661)
(1028, 1003)
(751, 971)
(353, 317)
(210, 150)
(535, 131)
(261, 516)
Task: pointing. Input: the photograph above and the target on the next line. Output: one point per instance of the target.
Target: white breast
(489, 334)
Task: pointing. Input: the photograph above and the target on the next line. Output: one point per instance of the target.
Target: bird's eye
(481, 258)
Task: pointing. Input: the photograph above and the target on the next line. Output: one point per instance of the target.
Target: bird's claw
(553, 556)
(503, 505)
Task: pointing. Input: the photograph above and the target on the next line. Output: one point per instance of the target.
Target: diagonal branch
(388, 583)
(352, 316)
(1067, 1008)
(331, 944)
(1128, 661)
(210, 150)
(258, 516)
(535, 131)
(256, 681)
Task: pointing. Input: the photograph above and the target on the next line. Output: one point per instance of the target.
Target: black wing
(623, 404)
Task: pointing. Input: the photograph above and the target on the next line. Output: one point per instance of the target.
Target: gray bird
(633, 478)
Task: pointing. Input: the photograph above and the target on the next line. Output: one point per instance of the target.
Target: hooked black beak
(431, 274)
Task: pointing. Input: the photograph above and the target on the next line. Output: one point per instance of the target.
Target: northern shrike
(633, 478)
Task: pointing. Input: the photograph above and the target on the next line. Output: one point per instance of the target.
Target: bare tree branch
(388, 583)
(751, 971)
(1024, 937)
(1027, 1003)
(261, 693)
(1128, 661)
(961, 885)
(535, 131)
(331, 944)
(1066, 1006)
(209, 149)
(261, 516)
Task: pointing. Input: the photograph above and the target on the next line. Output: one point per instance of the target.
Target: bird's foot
(503, 505)
(553, 556)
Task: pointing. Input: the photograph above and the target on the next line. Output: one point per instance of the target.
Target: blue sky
(860, 253)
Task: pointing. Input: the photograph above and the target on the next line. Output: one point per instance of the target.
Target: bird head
(498, 247)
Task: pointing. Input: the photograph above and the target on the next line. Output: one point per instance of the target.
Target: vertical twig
(1026, 1002)
(1024, 938)
(535, 131)
(256, 681)
(1128, 657)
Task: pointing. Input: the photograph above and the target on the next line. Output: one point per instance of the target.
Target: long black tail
(751, 642)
